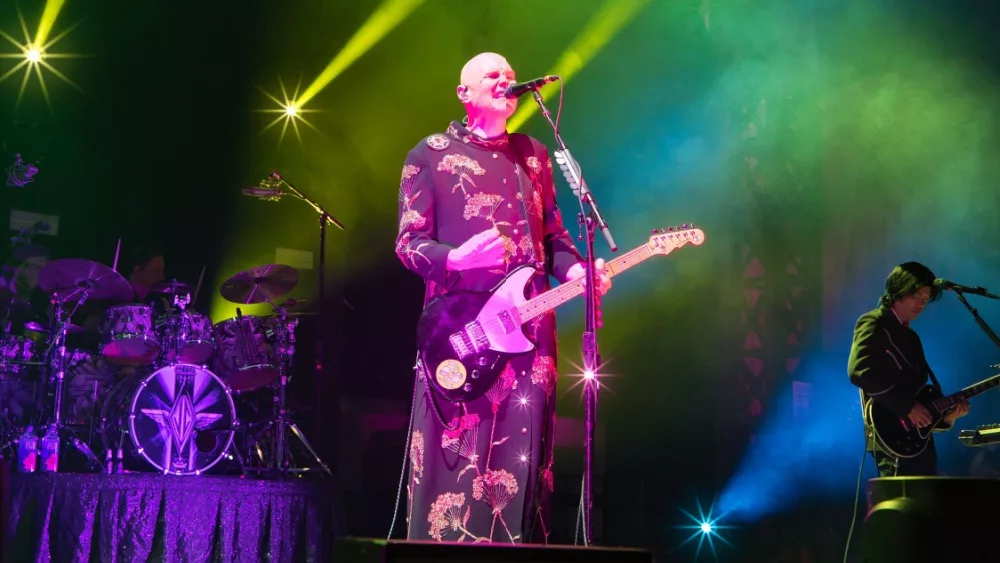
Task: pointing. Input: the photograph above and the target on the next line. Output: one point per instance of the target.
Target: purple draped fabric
(125, 518)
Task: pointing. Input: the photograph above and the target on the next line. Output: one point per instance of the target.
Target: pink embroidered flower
(543, 373)
(411, 220)
(417, 453)
(446, 515)
(533, 164)
(496, 488)
(409, 171)
(482, 206)
(463, 439)
(502, 387)
(407, 253)
(463, 167)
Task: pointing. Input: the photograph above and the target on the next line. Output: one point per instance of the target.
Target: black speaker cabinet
(363, 550)
(931, 519)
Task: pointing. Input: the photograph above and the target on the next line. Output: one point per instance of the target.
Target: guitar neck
(555, 297)
(945, 403)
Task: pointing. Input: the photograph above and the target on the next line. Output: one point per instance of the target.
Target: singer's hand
(579, 270)
(483, 250)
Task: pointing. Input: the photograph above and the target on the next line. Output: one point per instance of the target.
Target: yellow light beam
(289, 110)
(386, 17)
(34, 54)
(49, 16)
(603, 26)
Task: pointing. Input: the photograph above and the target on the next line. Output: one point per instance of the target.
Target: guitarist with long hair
(887, 363)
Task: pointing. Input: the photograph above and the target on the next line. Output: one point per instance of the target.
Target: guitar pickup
(477, 335)
(508, 321)
(471, 340)
(461, 345)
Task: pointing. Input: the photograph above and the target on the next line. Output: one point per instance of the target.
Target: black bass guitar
(899, 437)
(465, 338)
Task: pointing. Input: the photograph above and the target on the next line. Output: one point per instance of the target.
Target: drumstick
(117, 251)
(197, 288)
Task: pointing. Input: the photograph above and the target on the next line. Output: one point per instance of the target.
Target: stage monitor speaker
(364, 550)
(932, 519)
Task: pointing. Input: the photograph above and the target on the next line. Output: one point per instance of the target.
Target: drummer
(147, 271)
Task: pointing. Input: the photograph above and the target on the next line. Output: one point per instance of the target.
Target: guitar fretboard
(945, 403)
(555, 297)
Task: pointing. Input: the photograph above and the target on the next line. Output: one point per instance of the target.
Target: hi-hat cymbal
(70, 274)
(260, 285)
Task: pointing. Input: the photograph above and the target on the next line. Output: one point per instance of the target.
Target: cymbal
(260, 285)
(42, 327)
(172, 287)
(100, 281)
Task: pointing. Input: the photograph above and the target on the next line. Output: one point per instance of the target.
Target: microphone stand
(589, 221)
(324, 219)
(979, 320)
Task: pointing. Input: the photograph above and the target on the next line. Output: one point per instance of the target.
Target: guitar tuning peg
(670, 229)
(684, 226)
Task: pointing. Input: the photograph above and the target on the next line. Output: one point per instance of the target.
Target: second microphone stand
(276, 182)
(590, 220)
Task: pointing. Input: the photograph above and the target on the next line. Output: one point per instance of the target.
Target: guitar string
(534, 307)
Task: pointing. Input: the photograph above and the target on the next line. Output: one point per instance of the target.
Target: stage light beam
(36, 52)
(385, 18)
(603, 26)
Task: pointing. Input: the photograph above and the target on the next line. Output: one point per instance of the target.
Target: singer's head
(908, 290)
(481, 90)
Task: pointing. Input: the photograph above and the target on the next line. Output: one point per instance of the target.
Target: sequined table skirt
(131, 518)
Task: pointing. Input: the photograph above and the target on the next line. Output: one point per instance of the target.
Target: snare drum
(246, 358)
(128, 336)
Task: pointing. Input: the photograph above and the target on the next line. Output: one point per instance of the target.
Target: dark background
(166, 131)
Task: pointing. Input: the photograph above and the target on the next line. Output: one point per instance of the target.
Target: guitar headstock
(664, 241)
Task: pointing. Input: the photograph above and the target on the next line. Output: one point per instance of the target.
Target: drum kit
(155, 389)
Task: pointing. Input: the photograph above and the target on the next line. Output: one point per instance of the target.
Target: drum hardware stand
(285, 342)
(57, 363)
(281, 455)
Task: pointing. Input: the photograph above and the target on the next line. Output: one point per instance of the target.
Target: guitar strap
(524, 181)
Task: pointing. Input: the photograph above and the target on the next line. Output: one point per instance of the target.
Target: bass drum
(178, 420)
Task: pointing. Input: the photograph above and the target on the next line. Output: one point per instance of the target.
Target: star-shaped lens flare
(705, 528)
(35, 54)
(289, 111)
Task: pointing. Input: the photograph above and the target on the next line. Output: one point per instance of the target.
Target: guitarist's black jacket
(887, 361)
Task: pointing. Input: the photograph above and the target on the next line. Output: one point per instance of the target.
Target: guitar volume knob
(475, 374)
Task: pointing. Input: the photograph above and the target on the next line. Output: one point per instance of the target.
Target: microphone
(946, 285)
(267, 194)
(268, 189)
(518, 89)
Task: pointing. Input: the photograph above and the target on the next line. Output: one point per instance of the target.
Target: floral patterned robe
(487, 477)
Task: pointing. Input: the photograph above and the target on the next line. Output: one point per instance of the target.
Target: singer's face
(484, 79)
(910, 307)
